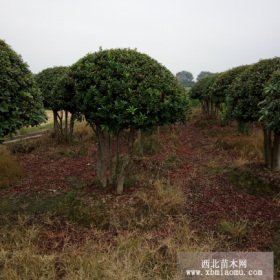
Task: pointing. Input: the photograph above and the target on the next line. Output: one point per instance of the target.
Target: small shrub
(10, 170)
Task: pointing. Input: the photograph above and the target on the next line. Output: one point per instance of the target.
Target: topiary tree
(63, 97)
(201, 90)
(121, 89)
(223, 81)
(46, 80)
(220, 87)
(246, 92)
(270, 115)
(21, 102)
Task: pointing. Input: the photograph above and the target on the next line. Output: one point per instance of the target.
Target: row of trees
(247, 94)
(116, 90)
(187, 80)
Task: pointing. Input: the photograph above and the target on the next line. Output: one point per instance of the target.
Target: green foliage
(46, 80)
(197, 90)
(270, 107)
(247, 90)
(223, 81)
(21, 102)
(201, 90)
(63, 94)
(204, 74)
(185, 78)
(121, 88)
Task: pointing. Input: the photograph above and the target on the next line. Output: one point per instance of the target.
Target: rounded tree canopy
(270, 107)
(121, 88)
(223, 81)
(202, 89)
(46, 80)
(185, 78)
(246, 92)
(21, 102)
(63, 96)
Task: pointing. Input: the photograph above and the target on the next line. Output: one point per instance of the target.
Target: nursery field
(203, 188)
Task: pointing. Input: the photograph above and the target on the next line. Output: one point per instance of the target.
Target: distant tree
(203, 74)
(185, 78)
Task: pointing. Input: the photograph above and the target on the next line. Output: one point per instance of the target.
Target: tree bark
(269, 150)
(101, 161)
(276, 153)
(157, 134)
(126, 161)
(71, 127)
(66, 126)
(140, 141)
(110, 161)
(265, 145)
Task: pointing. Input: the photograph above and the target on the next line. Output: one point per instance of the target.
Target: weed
(236, 229)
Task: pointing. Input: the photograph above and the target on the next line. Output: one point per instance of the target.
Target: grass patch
(249, 182)
(235, 229)
(249, 147)
(10, 170)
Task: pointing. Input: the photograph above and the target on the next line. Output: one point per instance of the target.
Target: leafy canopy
(247, 90)
(204, 74)
(270, 107)
(21, 102)
(46, 80)
(202, 89)
(223, 81)
(121, 88)
(185, 78)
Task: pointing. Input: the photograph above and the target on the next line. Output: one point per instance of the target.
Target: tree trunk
(71, 127)
(126, 161)
(276, 153)
(66, 126)
(110, 161)
(54, 120)
(98, 155)
(140, 141)
(269, 150)
(101, 163)
(265, 145)
(157, 134)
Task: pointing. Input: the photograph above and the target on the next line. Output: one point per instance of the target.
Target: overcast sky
(190, 35)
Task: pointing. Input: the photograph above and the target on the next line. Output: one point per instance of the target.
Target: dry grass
(81, 131)
(247, 147)
(236, 229)
(10, 170)
(137, 253)
(164, 199)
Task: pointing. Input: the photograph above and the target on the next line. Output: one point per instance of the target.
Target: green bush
(46, 79)
(21, 102)
(246, 92)
(121, 89)
(223, 81)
